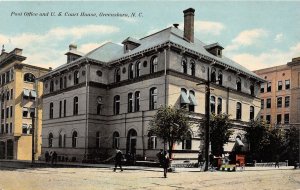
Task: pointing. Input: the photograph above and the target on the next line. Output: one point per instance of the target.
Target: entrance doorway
(10, 149)
(131, 141)
(2, 150)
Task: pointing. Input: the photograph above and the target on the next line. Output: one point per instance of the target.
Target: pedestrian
(47, 156)
(54, 158)
(200, 159)
(160, 156)
(166, 163)
(118, 160)
(277, 161)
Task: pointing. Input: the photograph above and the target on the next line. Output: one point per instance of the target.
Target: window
(213, 75)
(279, 119)
(220, 78)
(251, 112)
(11, 94)
(269, 87)
(187, 142)
(279, 85)
(184, 100)
(116, 105)
(98, 139)
(268, 119)
(252, 89)
(74, 139)
(51, 86)
(11, 128)
(287, 84)
(286, 118)
(65, 81)
(61, 83)
(32, 112)
(117, 75)
(3, 79)
(279, 102)
(99, 109)
(60, 108)
(138, 69)
(184, 66)
(287, 101)
(65, 108)
(239, 84)
(7, 112)
(193, 102)
(6, 128)
(219, 107)
(50, 140)
(269, 103)
(238, 111)
(75, 105)
(130, 102)
(212, 104)
(152, 141)
(2, 128)
(7, 95)
(116, 138)
(2, 114)
(262, 88)
(60, 139)
(137, 101)
(25, 112)
(130, 71)
(76, 77)
(153, 98)
(51, 110)
(28, 77)
(153, 64)
(11, 111)
(193, 68)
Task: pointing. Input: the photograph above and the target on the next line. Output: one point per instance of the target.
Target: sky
(255, 34)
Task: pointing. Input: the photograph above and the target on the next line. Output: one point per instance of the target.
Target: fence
(270, 164)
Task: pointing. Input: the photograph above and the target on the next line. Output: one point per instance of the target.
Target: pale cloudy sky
(255, 34)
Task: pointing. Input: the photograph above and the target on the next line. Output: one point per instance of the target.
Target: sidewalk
(16, 164)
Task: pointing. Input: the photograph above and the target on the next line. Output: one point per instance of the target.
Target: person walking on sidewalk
(118, 160)
(166, 163)
(277, 161)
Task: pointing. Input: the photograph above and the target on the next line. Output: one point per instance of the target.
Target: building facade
(280, 104)
(106, 98)
(20, 99)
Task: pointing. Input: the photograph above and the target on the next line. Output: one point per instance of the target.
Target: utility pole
(33, 139)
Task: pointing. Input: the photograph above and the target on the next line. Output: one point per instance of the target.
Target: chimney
(72, 47)
(189, 24)
(176, 25)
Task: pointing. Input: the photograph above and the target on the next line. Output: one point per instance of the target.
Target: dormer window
(215, 49)
(130, 44)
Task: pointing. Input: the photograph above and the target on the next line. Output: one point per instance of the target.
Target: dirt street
(96, 178)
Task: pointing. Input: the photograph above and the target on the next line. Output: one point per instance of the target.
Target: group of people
(51, 157)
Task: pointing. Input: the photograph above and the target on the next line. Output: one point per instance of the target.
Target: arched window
(152, 141)
(28, 77)
(99, 109)
(116, 105)
(50, 140)
(61, 83)
(130, 71)
(60, 138)
(75, 105)
(153, 64)
(51, 86)
(184, 100)
(98, 139)
(117, 75)
(192, 101)
(153, 98)
(137, 101)
(184, 65)
(65, 81)
(252, 89)
(76, 77)
(138, 69)
(220, 78)
(212, 104)
(74, 139)
(219, 107)
(131, 141)
(130, 102)
(238, 111)
(251, 112)
(238, 84)
(193, 67)
(213, 75)
(116, 138)
(64, 140)
(51, 110)
(187, 142)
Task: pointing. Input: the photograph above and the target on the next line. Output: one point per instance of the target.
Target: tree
(219, 132)
(171, 125)
(292, 144)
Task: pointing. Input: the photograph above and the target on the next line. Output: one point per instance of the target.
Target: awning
(26, 92)
(184, 98)
(25, 109)
(239, 142)
(192, 99)
(33, 93)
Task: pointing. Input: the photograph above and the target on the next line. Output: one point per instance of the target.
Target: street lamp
(207, 115)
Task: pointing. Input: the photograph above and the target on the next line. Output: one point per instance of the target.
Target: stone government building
(20, 99)
(106, 98)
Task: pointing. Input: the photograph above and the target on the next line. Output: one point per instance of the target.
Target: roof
(130, 39)
(213, 46)
(111, 52)
(74, 52)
